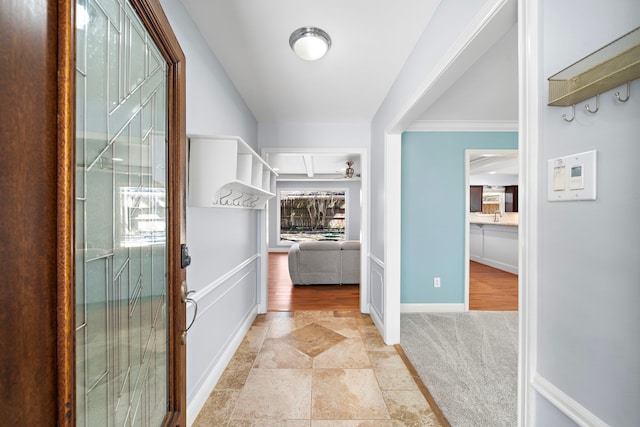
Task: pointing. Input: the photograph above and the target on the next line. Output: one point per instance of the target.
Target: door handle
(185, 292)
(185, 296)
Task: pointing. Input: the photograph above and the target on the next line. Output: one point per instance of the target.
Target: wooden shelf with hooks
(608, 67)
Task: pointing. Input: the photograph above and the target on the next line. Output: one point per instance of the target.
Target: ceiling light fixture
(310, 43)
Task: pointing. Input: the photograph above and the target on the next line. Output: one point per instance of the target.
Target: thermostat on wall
(576, 182)
(572, 177)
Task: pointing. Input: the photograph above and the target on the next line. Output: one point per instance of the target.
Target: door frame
(157, 24)
(493, 20)
(467, 227)
(364, 221)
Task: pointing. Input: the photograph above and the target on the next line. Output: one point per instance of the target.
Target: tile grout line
(362, 337)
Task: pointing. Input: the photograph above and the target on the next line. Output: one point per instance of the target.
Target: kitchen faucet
(496, 216)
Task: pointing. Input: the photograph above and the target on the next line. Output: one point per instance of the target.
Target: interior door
(129, 217)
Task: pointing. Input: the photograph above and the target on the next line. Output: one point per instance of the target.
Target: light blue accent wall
(433, 211)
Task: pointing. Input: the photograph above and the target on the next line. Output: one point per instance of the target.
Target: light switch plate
(572, 177)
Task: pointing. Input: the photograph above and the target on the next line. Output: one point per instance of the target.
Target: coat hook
(223, 199)
(619, 98)
(573, 116)
(586, 107)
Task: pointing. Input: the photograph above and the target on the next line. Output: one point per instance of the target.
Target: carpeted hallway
(469, 363)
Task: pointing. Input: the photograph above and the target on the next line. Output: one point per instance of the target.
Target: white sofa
(325, 263)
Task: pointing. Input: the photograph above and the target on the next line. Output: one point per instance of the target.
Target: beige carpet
(469, 363)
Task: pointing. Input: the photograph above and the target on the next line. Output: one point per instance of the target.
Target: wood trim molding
(66, 399)
(28, 253)
(156, 22)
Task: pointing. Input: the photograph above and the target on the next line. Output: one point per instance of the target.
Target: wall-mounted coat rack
(225, 172)
(610, 66)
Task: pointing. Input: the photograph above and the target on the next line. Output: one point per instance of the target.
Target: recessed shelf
(608, 67)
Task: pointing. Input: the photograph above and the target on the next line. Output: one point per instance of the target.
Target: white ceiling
(492, 164)
(487, 91)
(371, 39)
(317, 166)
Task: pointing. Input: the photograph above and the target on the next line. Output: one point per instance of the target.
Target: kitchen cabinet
(475, 198)
(511, 198)
(494, 245)
(475, 241)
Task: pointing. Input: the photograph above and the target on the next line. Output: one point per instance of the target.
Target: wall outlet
(436, 282)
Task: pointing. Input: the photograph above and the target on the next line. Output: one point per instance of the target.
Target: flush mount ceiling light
(310, 43)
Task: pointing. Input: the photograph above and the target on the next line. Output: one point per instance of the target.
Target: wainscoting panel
(565, 403)
(230, 300)
(376, 291)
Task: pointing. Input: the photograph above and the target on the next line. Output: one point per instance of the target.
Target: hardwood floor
(489, 289)
(284, 296)
(492, 289)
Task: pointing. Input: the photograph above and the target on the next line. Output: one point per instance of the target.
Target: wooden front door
(92, 315)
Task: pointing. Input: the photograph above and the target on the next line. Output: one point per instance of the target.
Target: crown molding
(464, 126)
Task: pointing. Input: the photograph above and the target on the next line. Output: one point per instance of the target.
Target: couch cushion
(318, 267)
(320, 246)
(325, 262)
(347, 245)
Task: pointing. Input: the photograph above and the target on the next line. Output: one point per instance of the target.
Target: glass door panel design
(121, 219)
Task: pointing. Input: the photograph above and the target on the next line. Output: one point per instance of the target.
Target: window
(312, 215)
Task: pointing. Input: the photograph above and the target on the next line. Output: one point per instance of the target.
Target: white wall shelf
(224, 171)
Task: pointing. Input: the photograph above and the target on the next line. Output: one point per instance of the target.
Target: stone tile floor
(316, 369)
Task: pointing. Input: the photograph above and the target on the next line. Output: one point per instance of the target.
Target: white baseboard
(513, 269)
(432, 308)
(376, 318)
(201, 396)
(572, 409)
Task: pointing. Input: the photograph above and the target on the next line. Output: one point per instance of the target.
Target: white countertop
(508, 218)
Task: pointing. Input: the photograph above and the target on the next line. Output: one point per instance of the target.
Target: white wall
(475, 96)
(223, 242)
(588, 319)
(353, 206)
(440, 41)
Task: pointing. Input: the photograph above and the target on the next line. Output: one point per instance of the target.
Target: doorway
(491, 229)
(310, 169)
